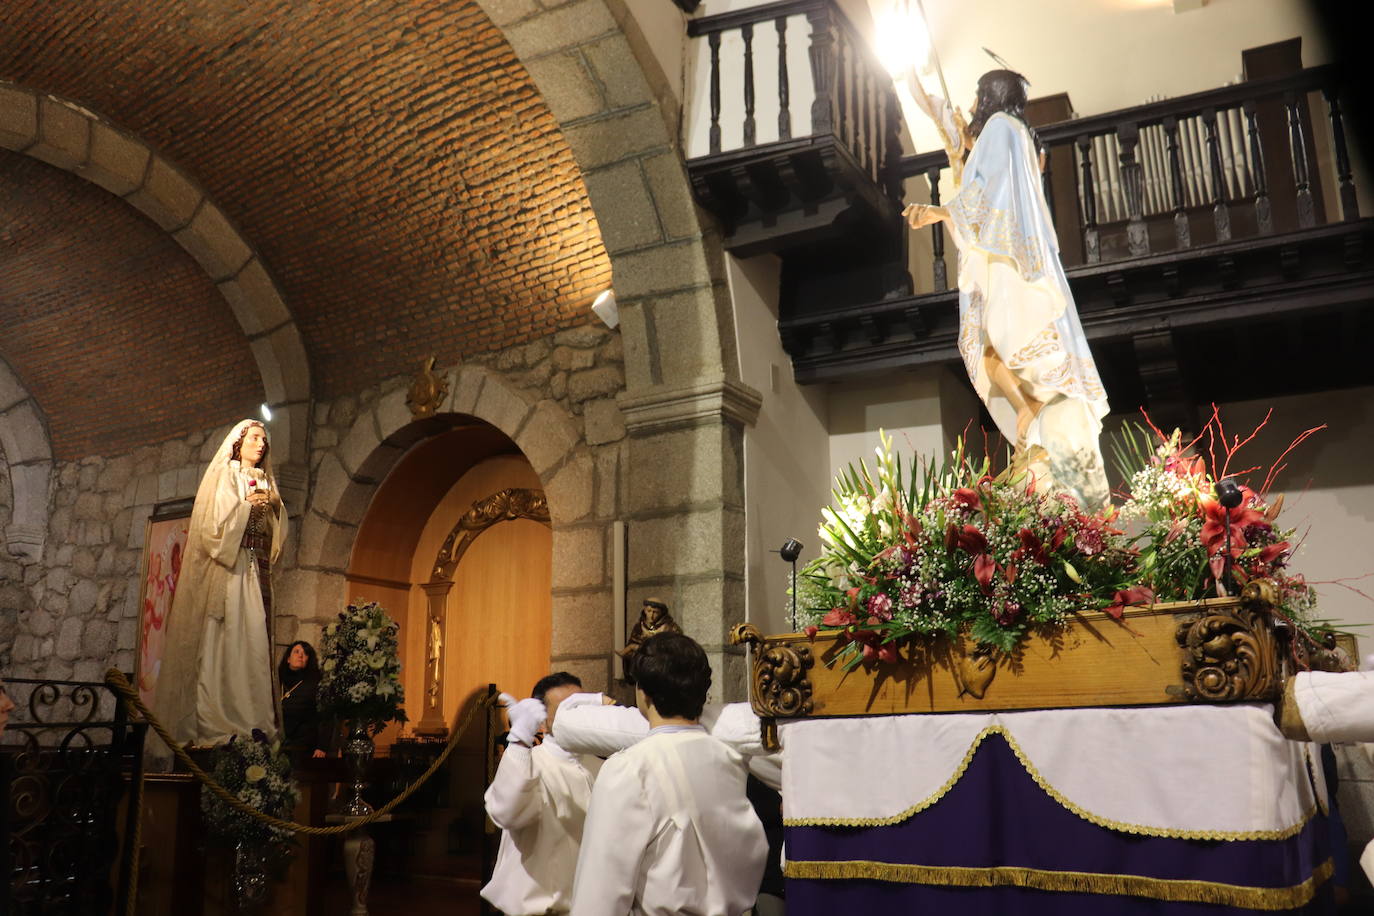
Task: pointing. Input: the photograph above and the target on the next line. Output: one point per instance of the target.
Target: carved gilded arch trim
(505, 505)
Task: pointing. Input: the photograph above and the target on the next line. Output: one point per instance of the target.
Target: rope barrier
(115, 679)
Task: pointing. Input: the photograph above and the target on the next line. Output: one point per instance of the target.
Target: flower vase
(248, 879)
(357, 754)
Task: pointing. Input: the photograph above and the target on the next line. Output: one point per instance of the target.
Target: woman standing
(216, 676)
(304, 733)
(1019, 333)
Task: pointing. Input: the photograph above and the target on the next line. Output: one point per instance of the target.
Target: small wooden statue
(653, 619)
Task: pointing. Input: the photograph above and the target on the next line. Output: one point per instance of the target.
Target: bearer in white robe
(1332, 707)
(670, 831)
(539, 800)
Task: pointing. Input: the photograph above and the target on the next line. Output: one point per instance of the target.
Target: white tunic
(670, 832)
(1339, 707)
(539, 800)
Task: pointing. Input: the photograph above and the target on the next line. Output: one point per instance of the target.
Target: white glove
(526, 718)
(582, 699)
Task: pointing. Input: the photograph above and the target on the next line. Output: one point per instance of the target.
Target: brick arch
(68, 136)
(28, 453)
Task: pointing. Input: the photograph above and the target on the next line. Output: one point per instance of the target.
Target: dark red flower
(1274, 551)
(972, 539)
(812, 630)
(1057, 539)
(1033, 546)
(965, 498)
(984, 568)
(839, 617)
(1006, 612)
(888, 654)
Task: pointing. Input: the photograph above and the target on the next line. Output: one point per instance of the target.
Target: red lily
(965, 498)
(1274, 551)
(839, 617)
(972, 539)
(984, 568)
(1215, 523)
(1031, 544)
(1140, 594)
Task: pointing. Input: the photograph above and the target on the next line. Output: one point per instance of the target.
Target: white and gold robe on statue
(539, 799)
(670, 831)
(217, 671)
(1015, 298)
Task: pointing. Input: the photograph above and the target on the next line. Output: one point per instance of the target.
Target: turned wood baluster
(714, 41)
(822, 53)
(937, 234)
(1350, 207)
(1221, 212)
(1264, 216)
(1133, 180)
(1091, 252)
(864, 84)
(747, 30)
(1307, 214)
(784, 115)
(1048, 186)
(892, 144)
(1183, 236)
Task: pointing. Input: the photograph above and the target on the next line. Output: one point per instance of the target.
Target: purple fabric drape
(996, 815)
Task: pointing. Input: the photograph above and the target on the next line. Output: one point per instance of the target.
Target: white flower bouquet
(361, 682)
(258, 773)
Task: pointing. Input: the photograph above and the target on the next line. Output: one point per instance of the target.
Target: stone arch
(67, 136)
(348, 475)
(28, 453)
(598, 78)
(684, 405)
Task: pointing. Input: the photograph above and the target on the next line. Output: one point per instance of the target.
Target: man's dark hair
(674, 674)
(550, 681)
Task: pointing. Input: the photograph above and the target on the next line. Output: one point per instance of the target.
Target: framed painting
(164, 541)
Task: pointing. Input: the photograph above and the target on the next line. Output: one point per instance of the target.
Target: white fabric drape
(1219, 772)
(1015, 299)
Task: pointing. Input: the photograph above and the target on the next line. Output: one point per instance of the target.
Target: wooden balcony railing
(837, 122)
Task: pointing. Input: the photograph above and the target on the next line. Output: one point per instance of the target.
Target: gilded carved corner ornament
(1233, 654)
(427, 391)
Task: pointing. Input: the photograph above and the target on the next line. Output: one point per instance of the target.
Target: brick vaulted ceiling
(390, 161)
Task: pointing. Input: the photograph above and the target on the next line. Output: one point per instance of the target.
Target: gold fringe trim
(1173, 890)
(1052, 792)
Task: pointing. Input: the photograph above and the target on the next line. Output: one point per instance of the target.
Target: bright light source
(902, 39)
(606, 309)
(266, 413)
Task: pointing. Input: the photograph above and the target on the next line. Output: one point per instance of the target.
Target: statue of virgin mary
(1019, 333)
(217, 672)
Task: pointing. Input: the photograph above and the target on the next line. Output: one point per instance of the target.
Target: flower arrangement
(258, 773)
(915, 549)
(361, 682)
(1190, 544)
